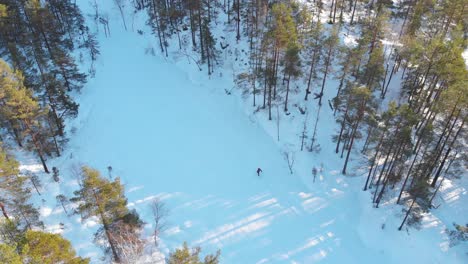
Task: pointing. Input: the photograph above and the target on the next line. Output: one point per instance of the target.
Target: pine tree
(15, 195)
(191, 256)
(347, 60)
(373, 74)
(105, 200)
(120, 5)
(292, 68)
(330, 44)
(313, 46)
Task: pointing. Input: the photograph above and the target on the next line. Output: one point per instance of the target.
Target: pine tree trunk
(315, 129)
(25, 218)
(202, 48)
(229, 12)
(238, 20)
(35, 186)
(109, 239)
(269, 101)
(287, 95)
(430, 168)
(374, 39)
(304, 131)
(404, 22)
(388, 174)
(374, 160)
(208, 54)
(354, 10)
(436, 177)
(58, 121)
(407, 177)
(388, 83)
(16, 134)
(368, 137)
(340, 86)
(345, 143)
(382, 95)
(374, 174)
(342, 7)
(54, 137)
(52, 56)
(122, 15)
(343, 124)
(155, 18)
(406, 216)
(265, 86)
(350, 147)
(312, 67)
(275, 72)
(381, 173)
(435, 192)
(4, 212)
(447, 124)
(420, 135)
(164, 41)
(353, 133)
(264, 90)
(254, 91)
(37, 146)
(64, 208)
(41, 157)
(327, 64)
(432, 89)
(334, 11)
(192, 27)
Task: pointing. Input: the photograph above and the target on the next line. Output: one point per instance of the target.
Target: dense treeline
(38, 39)
(37, 75)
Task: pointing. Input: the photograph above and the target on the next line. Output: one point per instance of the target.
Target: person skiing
(259, 171)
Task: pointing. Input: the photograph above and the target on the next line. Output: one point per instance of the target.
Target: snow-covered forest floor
(172, 132)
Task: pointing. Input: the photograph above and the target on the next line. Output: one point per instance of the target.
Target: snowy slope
(171, 132)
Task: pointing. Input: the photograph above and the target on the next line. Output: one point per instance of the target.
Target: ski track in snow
(171, 133)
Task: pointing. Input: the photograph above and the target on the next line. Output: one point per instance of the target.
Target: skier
(258, 171)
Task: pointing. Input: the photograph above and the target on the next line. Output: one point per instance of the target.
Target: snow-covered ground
(170, 132)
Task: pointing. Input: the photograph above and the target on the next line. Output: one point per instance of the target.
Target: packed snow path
(171, 133)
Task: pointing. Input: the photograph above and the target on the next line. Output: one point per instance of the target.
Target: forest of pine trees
(409, 146)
